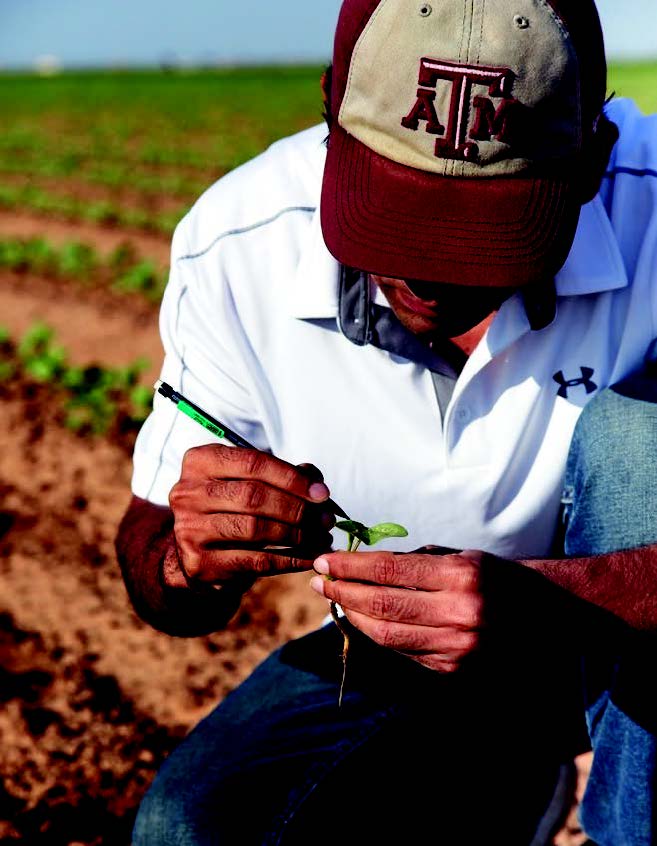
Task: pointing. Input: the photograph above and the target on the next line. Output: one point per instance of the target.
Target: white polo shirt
(248, 324)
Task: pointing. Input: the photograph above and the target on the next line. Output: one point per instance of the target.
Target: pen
(217, 427)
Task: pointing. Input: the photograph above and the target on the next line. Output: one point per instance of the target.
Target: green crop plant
(358, 533)
(122, 257)
(95, 393)
(39, 356)
(40, 256)
(102, 212)
(77, 259)
(35, 255)
(142, 278)
(13, 255)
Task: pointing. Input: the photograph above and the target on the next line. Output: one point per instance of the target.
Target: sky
(151, 32)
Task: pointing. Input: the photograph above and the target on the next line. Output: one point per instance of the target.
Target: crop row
(202, 155)
(93, 399)
(40, 146)
(109, 175)
(71, 208)
(121, 269)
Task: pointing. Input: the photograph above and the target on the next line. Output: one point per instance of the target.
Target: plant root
(345, 647)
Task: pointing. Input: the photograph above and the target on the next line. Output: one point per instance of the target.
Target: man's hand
(231, 504)
(428, 607)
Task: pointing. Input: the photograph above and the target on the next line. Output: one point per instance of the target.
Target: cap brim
(397, 221)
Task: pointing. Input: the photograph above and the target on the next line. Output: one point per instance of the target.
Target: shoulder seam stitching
(245, 229)
(630, 171)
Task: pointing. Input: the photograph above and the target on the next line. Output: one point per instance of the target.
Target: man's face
(440, 310)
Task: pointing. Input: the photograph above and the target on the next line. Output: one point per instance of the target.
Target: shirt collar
(594, 265)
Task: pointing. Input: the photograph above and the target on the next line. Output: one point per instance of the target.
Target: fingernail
(321, 566)
(328, 520)
(318, 492)
(317, 584)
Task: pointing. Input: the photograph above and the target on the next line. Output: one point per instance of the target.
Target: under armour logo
(589, 384)
(489, 121)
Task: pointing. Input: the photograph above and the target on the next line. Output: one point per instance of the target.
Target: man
(427, 335)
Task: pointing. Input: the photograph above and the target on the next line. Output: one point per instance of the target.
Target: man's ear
(326, 82)
(595, 157)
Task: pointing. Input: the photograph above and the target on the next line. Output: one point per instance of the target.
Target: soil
(93, 699)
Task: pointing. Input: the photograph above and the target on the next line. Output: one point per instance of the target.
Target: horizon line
(55, 66)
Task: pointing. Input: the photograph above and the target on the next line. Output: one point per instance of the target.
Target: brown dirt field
(93, 698)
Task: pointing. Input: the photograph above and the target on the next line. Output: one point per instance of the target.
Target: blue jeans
(612, 505)
(413, 756)
(410, 757)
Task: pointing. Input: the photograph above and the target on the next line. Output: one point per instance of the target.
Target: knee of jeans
(610, 475)
(615, 430)
(161, 817)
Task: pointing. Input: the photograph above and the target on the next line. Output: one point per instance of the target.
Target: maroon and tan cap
(457, 129)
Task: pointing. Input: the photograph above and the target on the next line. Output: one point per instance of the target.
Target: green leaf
(76, 421)
(385, 530)
(373, 534)
(352, 527)
(77, 259)
(41, 369)
(141, 399)
(35, 340)
(73, 378)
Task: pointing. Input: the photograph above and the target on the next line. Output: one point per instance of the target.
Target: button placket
(508, 326)
(459, 412)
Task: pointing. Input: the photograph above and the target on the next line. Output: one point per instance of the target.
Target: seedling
(369, 535)
(142, 278)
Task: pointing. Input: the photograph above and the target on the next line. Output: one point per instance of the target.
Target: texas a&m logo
(491, 119)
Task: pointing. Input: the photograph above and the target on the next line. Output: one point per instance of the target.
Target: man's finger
(246, 528)
(222, 462)
(412, 639)
(218, 565)
(425, 608)
(423, 572)
(254, 497)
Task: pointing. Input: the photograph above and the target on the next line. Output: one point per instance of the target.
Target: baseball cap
(457, 130)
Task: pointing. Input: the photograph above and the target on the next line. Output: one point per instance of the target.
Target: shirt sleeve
(206, 358)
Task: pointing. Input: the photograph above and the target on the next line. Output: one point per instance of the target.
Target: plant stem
(345, 647)
(351, 547)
